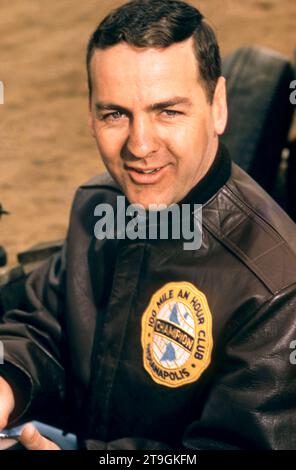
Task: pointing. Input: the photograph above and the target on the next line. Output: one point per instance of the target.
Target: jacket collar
(214, 179)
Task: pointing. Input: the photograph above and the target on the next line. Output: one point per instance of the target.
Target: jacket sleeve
(33, 340)
(252, 402)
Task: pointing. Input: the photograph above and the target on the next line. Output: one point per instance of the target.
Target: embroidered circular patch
(177, 335)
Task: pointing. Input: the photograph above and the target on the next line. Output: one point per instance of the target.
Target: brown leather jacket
(149, 346)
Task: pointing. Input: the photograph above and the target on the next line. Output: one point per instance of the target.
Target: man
(154, 346)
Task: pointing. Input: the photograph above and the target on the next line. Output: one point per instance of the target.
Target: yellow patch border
(148, 329)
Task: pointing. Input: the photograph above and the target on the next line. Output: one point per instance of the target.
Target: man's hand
(6, 402)
(32, 439)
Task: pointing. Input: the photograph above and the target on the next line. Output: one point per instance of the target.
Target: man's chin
(148, 201)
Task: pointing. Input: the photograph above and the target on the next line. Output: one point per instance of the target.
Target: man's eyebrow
(171, 102)
(101, 106)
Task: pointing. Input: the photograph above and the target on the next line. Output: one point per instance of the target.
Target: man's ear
(219, 106)
(90, 120)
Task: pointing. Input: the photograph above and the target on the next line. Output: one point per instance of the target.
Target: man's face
(154, 127)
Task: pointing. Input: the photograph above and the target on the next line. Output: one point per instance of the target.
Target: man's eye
(171, 112)
(115, 116)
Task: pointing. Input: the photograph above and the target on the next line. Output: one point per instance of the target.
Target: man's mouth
(147, 172)
(146, 176)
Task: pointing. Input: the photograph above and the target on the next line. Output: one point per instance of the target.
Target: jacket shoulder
(100, 181)
(100, 189)
(250, 224)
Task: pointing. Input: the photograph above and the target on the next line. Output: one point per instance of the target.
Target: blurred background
(46, 150)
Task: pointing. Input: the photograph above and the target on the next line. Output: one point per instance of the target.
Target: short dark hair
(160, 23)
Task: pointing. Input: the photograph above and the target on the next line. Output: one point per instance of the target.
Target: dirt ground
(45, 147)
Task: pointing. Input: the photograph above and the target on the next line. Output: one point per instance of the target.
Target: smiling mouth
(146, 172)
(149, 176)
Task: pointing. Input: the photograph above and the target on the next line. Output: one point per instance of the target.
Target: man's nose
(142, 140)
